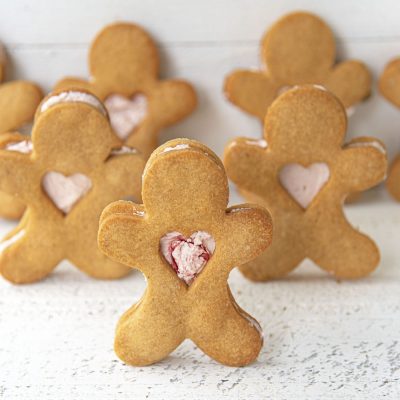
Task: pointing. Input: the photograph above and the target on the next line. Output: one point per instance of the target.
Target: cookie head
(389, 82)
(69, 123)
(299, 48)
(123, 54)
(189, 180)
(303, 119)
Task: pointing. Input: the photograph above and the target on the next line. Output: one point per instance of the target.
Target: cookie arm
(250, 232)
(350, 81)
(172, 101)
(18, 103)
(252, 91)
(121, 232)
(75, 83)
(244, 161)
(123, 174)
(362, 164)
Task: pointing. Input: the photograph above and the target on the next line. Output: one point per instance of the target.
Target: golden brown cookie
(18, 103)
(66, 175)
(185, 241)
(389, 86)
(298, 49)
(301, 172)
(124, 68)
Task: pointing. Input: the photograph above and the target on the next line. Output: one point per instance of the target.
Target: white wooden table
(323, 339)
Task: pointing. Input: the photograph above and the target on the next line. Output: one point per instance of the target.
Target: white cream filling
(166, 150)
(177, 147)
(349, 110)
(139, 213)
(73, 97)
(123, 150)
(253, 322)
(260, 143)
(374, 144)
(24, 146)
(238, 209)
(7, 243)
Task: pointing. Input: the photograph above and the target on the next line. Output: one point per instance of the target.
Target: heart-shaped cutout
(126, 114)
(187, 256)
(65, 191)
(304, 183)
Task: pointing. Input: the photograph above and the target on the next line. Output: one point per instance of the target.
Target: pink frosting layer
(187, 256)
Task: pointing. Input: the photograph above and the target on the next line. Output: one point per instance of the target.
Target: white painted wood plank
(76, 21)
(323, 339)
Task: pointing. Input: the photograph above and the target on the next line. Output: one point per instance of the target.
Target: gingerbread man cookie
(18, 103)
(66, 175)
(301, 172)
(389, 86)
(298, 49)
(185, 241)
(124, 68)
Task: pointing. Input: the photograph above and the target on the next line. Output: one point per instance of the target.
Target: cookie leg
(90, 260)
(148, 332)
(226, 333)
(282, 257)
(27, 256)
(345, 252)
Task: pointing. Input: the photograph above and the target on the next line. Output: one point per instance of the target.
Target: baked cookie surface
(70, 170)
(185, 241)
(302, 172)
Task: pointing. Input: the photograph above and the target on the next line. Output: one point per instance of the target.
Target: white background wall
(202, 41)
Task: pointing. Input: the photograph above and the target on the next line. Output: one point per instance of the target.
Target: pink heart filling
(187, 256)
(304, 183)
(126, 114)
